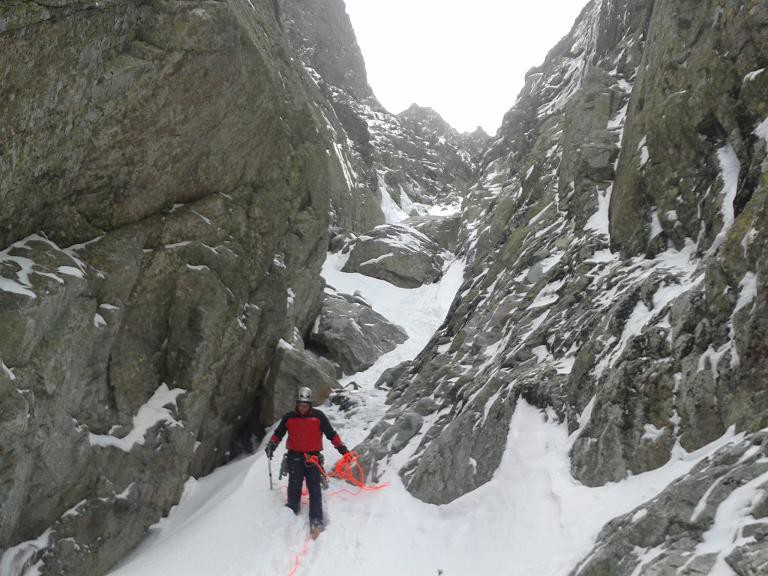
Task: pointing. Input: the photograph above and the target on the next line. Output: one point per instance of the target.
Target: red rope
(298, 557)
(347, 469)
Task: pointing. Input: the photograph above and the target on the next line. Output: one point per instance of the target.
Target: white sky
(467, 60)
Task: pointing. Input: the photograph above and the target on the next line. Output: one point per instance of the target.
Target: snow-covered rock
(396, 165)
(398, 254)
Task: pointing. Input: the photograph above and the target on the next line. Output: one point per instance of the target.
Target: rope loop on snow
(348, 469)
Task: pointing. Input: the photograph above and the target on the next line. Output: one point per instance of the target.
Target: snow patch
(639, 515)
(762, 131)
(377, 259)
(645, 557)
(599, 221)
(445, 209)
(150, 414)
(22, 283)
(551, 261)
(7, 371)
(643, 149)
(70, 271)
(16, 559)
(732, 515)
(541, 353)
(547, 295)
(393, 214)
(652, 433)
(729, 171)
(748, 291)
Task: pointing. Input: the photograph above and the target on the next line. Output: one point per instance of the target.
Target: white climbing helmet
(304, 395)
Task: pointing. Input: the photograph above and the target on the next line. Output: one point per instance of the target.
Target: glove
(342, 449)
(270, 449)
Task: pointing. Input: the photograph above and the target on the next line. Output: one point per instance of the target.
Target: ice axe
(269, 467)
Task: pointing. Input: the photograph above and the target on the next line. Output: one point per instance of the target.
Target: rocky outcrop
(616, 244)
(352, 334)
(701, 183)
(165, 179)
(711, 520)
(398, 254)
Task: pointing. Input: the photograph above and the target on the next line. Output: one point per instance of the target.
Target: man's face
(303, 407)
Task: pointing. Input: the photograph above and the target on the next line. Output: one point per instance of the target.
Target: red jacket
(305, 433)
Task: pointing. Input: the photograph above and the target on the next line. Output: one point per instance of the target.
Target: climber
(305, 427)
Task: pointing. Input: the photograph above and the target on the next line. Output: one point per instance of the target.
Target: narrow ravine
(531, 519)
(548, 345)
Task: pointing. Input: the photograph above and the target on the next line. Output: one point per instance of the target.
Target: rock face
(353, 334)
(165, 180)
(617, 251)
(321, 34)
(168, 173)
(398, 254)
(406, 161)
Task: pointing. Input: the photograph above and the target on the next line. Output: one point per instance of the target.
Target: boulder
(442, 230)
(292, 368)
(353, 334)
(398, 254)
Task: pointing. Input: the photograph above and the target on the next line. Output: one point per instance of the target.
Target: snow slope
(532, 519)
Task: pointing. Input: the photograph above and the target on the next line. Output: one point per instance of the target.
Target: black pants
(298, 471)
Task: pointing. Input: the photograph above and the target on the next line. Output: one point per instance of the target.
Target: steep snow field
(532, 519)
